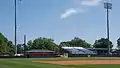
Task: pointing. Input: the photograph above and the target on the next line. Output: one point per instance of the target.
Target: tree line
(7, 47)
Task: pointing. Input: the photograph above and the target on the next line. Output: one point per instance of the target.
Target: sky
(61, 20)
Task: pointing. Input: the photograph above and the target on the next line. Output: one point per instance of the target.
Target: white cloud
(73, 11)
(90, 2)
(70, 12)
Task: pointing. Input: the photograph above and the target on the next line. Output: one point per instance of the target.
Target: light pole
(24, 45)
(15, 28)
(108, 7)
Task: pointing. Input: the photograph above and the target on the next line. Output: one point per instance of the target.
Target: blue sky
(61, 20)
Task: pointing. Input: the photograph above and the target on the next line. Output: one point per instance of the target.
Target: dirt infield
(76, 62)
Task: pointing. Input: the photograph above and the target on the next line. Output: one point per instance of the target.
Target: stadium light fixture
(108, 7)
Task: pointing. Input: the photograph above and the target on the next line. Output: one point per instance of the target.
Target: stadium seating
(79, 50)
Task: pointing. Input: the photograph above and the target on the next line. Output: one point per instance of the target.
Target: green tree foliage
(76, 42)
(5, 45)
(118, 43)
(20, 48)
(11, 47)
(43, 43)
(102, 43)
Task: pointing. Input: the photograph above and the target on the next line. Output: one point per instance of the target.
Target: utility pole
(25, 39)
(24, 45)
(15, 28)
(108, 7)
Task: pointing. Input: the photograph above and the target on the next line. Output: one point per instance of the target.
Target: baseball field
(81, 62)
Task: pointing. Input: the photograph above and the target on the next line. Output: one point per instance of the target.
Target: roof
(79, 50)
(84, 48)
(36, 50)
(73, 48)
(98, 48)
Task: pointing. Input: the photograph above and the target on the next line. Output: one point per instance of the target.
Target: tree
(102, 43)
(11, 47)
(30, 44)
(43, 43)
(76, 42)
(6, 47)
(118, 43)
(20, 48)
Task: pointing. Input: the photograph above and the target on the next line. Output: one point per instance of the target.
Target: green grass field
(27, 63)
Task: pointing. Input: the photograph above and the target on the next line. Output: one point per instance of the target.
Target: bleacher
(79, 50)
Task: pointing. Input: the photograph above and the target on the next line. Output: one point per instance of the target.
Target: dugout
(40, 54)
